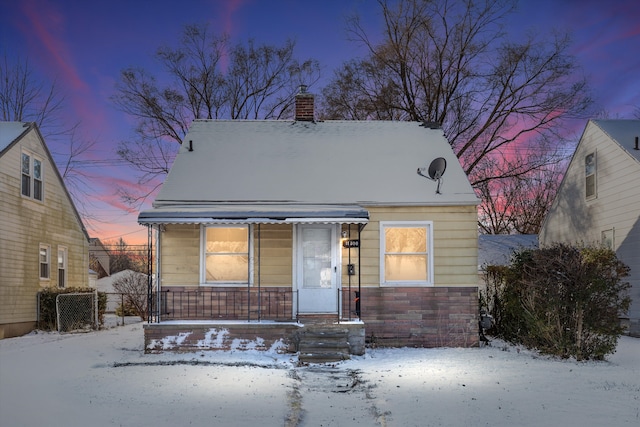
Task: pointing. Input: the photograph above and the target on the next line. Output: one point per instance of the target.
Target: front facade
(295, 221)
(598, 201)
(43, 242)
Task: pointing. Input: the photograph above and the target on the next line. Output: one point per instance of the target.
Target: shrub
(562, 300)
(47, 316)
(133, 286)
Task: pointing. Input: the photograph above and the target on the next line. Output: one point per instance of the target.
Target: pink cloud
(47, 24)
(46, 31)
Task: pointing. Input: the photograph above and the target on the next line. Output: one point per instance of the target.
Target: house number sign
(354, 243)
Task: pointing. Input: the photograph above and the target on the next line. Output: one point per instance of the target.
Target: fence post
(97, 309)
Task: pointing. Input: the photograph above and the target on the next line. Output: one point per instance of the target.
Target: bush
(133, 286)
(47, 317)
(562, 300)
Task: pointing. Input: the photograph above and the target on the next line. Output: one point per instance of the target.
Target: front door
(317, 269)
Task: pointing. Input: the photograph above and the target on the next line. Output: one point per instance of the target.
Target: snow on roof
(496, 249)
(9, 132)
(624, 132)
(316, 163)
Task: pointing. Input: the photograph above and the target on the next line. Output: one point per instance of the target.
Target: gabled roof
(274, 164)
(623, 132)
(12, 132)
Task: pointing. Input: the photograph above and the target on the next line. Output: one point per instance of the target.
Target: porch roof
(255, 214)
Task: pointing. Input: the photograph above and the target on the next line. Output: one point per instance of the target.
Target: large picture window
(226, 254)
(406, 253)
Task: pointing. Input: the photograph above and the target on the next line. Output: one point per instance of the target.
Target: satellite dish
(437, 168)
(435, 171)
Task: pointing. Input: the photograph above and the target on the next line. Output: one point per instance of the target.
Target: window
(26, 175)
(31, 169)
(608, 238)
(44, 261)
(37, 179)
(62, 267)
(590, 175)
(226, 254)
(406, 253)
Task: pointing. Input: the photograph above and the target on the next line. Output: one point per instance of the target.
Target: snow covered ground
(104, 379)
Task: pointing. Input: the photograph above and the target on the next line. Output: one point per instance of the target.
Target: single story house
(365, 226)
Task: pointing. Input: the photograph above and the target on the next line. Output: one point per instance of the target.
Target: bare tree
(24, 98)
(518, 205)
(452, 63)
(133, 286)
(124, 257)
(204, 77)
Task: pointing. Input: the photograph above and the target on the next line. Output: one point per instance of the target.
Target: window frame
(33, 182)
(64, 251)
(47, 262)
(608, 238)
(593, 175)
(204, 254)
(428, 226)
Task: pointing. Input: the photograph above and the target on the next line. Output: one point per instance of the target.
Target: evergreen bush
(561, 300)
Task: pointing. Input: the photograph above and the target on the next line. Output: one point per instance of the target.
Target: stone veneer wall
(421, 317)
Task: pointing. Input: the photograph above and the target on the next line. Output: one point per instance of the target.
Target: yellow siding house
(309, 221)
(43, 242)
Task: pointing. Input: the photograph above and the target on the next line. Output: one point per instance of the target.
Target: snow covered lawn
(104, 379)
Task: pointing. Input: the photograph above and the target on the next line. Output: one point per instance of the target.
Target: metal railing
(225, 304)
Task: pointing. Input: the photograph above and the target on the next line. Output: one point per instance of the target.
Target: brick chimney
(304, 105)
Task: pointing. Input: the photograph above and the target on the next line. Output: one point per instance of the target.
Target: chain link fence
(77, 311)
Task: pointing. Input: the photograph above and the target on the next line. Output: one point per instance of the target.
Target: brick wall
(421, 317)
(160, 337)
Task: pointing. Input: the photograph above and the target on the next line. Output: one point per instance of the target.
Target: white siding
(574, 219)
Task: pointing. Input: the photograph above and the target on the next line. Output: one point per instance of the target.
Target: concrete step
(323, 344)
(322, 357)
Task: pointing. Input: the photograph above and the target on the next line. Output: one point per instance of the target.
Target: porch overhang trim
(256, 215)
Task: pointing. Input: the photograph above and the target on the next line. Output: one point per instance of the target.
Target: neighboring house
(105, 284)
(599, 198)
(287, 220)
(43, 242)
(93, 279)
(497, 249)
(99, 258)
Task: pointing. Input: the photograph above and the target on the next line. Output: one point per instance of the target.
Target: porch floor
(346, 337)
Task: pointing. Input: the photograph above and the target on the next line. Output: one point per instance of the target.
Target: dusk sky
(83, 45)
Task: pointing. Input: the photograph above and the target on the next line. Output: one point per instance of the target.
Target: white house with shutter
(599, 198)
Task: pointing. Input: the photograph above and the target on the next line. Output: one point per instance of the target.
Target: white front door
(317, 269)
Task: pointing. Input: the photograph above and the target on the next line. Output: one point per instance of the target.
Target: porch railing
(225, 304)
